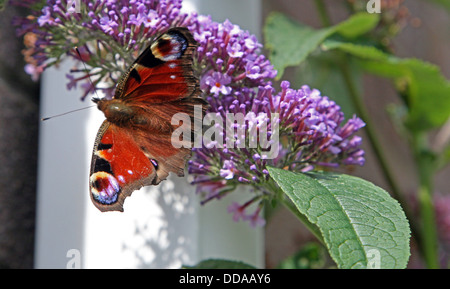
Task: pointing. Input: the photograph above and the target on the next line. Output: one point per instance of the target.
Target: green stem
(323, 15)
(369, 128)
(426, 169)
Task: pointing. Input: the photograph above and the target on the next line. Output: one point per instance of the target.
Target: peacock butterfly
(133, 145)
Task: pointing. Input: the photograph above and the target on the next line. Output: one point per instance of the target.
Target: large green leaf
(290, 42)
(362, 226)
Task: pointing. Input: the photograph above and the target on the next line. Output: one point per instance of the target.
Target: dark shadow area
(19, 122)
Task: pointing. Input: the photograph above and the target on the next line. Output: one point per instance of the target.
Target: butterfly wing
(163, 72)
(134, 146)
(118, 167)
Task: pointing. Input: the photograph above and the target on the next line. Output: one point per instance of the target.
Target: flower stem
(426, 168)
(323, 15)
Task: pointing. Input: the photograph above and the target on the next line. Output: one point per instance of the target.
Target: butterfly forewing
(163, 72)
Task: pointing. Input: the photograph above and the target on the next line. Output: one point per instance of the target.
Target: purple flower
(72, 82)
(255, 219)
(252, 71)
(227, 172)
(109, 26)
(237, 210)
(295, 129)
(217, 83)
(312, 128)
(226, 49)
(235, 50)
(46, 17)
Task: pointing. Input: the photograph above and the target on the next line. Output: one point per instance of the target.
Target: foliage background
(429, 42)
(19, 122)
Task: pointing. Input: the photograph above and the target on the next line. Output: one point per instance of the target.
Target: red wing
(118, 167)
(165, 157)
(163, 72)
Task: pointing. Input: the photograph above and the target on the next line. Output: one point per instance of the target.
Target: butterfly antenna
(84, 64)
(61, 114)
(90, 80)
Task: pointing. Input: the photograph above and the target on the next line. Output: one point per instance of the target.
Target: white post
(162, 226)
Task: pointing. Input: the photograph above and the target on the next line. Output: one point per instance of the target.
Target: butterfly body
(134, 147)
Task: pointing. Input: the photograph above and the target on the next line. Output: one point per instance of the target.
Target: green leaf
(362, 226)
(426, 88)
(358, 24)
(219, 264)
(359, 50)
(290, 42)
(311, 256)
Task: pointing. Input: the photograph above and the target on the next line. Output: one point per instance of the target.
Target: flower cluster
(301, 129)
(228, 58)
(312, 132)
(108, 34)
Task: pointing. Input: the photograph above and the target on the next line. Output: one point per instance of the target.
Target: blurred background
(425, 35)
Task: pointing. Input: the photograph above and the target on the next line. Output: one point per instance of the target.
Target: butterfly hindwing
(118, 167)
(134, 146)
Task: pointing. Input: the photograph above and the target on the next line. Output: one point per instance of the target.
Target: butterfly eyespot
(155, 163)
(104, 187)
(170, 46)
